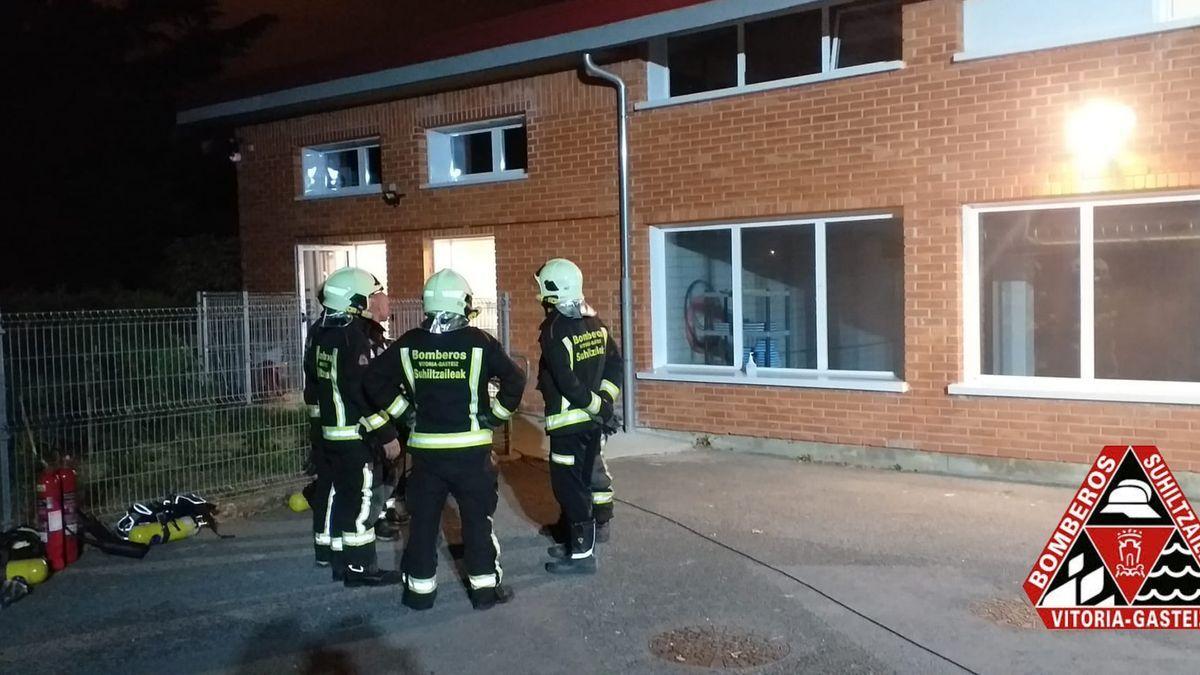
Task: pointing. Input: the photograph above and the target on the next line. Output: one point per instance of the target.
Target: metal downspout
(628, 407)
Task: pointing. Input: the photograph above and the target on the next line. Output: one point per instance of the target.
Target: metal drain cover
(717, 647)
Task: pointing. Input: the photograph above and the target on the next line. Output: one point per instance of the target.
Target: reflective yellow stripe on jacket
(340, 433)
(450, 441)
(566, 419)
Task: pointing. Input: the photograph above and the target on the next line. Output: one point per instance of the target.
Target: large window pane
(1029, 292)
(699, 292)
(866, 33)
(778, 296)
(783, 46)
(865, 295)
(703, 61)
(473, 152)
(341, 169)
(372, 166)
(1147, 285)
(514, 148)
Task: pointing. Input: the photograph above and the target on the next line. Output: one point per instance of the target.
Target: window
(995, 27)
(1097, 299)
(814, 302)
(341, 169)
(832, 41)
(480, 152)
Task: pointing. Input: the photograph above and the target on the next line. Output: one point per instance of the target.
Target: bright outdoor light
(1097, 132)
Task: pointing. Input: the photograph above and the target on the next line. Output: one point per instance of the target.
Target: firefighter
(340, 346)
(444, 366)
(579, 375)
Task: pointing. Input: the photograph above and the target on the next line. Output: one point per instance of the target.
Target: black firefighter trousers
(579, 477)
(344, 511)
(469, 476)
(320, 498)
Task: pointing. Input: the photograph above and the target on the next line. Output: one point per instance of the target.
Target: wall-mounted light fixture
(1098, 132)
(235, 150)
(390, 196)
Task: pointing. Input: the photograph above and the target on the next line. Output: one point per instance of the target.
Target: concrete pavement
(855, 570)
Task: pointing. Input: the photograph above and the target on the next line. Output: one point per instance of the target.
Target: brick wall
(924, 141)
(566, 207)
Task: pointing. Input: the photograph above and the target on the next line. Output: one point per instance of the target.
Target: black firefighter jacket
(445, 378)
(579, 372)
(335, 361)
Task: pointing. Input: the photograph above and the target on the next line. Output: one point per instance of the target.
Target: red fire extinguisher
(67, 478)
(50, 516)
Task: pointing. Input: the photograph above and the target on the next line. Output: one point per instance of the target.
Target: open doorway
(314, 263)
(472, 257)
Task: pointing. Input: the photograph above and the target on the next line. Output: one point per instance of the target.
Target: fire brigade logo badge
(1124, 553)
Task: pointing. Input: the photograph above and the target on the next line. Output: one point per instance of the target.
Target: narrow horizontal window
(478, 152)
(835, 40)
(341, 169)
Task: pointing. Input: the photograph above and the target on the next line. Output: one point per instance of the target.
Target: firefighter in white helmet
(347, 430)
(443, 368)
(579, 375)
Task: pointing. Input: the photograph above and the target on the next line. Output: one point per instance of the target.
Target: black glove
(607, 414)
(611, 425)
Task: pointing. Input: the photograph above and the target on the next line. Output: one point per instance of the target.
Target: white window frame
(317, 160)
(820, 377)
(439, 150)
(1087, 386)
(658, 69)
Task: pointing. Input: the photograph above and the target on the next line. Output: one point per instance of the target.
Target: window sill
(479, 179)
(839, 380)
(1123, 391)
(348, 192)
(841, 73)
(1078, 39)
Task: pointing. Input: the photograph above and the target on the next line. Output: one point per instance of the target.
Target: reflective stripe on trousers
(422, 586)
(361, 536)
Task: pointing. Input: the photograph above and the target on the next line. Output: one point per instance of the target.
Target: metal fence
(148, 402)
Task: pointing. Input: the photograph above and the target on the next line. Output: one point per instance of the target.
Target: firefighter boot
(323, 555)
(603, 532)
(487, 598)
(582, 546)
(369, 575)
(387, 529)
(418, 598)
(556, 531)
(397, 511)
(337, 566)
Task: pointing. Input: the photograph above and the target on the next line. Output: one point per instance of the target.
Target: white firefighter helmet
(347, 289)
(560, 282)
(447, 291)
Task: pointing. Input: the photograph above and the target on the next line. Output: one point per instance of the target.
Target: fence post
(502, 320)
(202, 328)
(246, 345)
(6, 474)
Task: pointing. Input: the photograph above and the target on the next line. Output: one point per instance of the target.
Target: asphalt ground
(842, 570)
